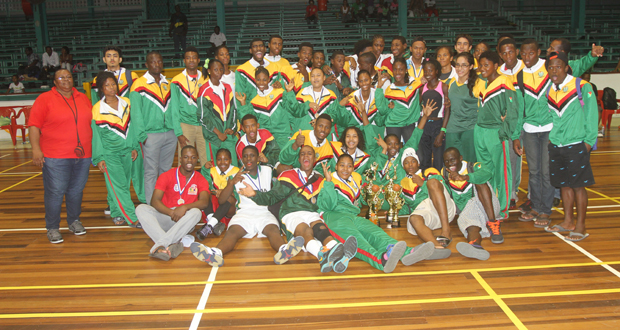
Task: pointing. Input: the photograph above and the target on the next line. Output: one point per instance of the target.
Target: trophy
(371, 192)
(392, 192)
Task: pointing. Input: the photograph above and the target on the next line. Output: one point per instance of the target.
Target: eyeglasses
(65, 78)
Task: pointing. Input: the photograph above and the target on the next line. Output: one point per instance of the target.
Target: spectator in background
(322, 5)
(430, 8)
(33, 67)
(178, 30)
(394, 8)
(345, 12)
(61, 135)
(217, 39)
(51, 62)
(312, 14)
(66, 58)
(16, 85)
(416, 8)
(359, 11)
(383, 12)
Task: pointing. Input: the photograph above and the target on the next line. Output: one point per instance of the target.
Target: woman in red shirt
(60, 135)
(312, 14)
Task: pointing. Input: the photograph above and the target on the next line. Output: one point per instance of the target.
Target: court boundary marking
(312, 307)
(306, 278)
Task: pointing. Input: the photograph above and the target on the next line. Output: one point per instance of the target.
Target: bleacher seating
(137, 35)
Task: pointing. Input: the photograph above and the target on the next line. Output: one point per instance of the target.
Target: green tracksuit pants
(137, 176)
(372, 241)
(464, 141)
(117, 179)
(495, 157)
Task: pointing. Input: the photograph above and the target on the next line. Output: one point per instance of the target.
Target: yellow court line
(308, 278)
(603, 195)
(16, 166)
(511, 315)
(310, 307)
(17, 184)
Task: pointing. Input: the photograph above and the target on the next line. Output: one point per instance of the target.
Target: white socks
(331, 244)
(313, 247)
(211, 220)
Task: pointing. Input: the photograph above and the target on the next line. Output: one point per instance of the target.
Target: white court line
(203, 299)
(13, 173)
(5, 155)
(65, 228)
(588, 254)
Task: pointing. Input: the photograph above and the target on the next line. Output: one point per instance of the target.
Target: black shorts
(569, 166)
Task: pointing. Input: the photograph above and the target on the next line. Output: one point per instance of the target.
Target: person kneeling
(179, 195)
(477, 205)
(251, 219)
(429, 202)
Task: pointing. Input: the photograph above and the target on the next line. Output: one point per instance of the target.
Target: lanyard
(417, 73)
(179, 184)
(387, 165)
(303, 181)
(191, 93)
(320, 96)
(258, 187)
(356, 190)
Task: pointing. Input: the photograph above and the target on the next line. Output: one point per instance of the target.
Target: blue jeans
(64, 177)
(540, 188)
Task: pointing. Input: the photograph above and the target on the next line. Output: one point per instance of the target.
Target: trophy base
(392, 222)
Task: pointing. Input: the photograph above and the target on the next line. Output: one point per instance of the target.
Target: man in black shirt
(178, 30)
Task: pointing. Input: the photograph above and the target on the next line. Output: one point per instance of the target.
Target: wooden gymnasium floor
(105, 279)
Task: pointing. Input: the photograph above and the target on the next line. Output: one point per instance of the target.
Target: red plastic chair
(607, 113)
(23, 127)
(9, 112)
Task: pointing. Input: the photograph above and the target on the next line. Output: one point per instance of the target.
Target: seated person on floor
(297, 189)
(218, 214)
(251, 219)
(429, 202)
(179, 195)
(339, 201)
(476, 204)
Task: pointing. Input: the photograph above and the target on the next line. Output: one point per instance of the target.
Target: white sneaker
(601, 133)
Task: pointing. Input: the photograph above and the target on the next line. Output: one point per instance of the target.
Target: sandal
(542, 221)
(576, 237)
(161, 253)
(528, 216)
(443, 241)
(556, 229)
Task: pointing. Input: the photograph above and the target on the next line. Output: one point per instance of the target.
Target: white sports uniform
(251, 217)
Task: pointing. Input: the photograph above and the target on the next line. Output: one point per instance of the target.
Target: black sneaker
(525, 207)
(496, 232)
(107, 210)
(513, 204)
(219, 229)
(204, 232)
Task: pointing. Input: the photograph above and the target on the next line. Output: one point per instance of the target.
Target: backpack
(128, 79)
(609, 99)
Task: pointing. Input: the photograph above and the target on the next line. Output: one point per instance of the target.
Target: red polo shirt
(167, 182)
(56, 120)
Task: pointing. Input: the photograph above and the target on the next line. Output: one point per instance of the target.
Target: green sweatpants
(117, 179)
(137, 176)
(494, 155)
(464, 141)
(372, 241)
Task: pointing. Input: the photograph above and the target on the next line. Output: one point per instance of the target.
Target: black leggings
(403, 133)
(428, 153)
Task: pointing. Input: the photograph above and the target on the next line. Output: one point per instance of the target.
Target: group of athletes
(283, 148)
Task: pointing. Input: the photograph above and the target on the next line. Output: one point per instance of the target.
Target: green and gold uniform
(406, 102)
(339, 202)
(324, 151)
(114, 138)
(414, 194)
(216, 110)
(497, 118)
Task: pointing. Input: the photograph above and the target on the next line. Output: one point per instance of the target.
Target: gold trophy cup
(371, 193)
(392, 192)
